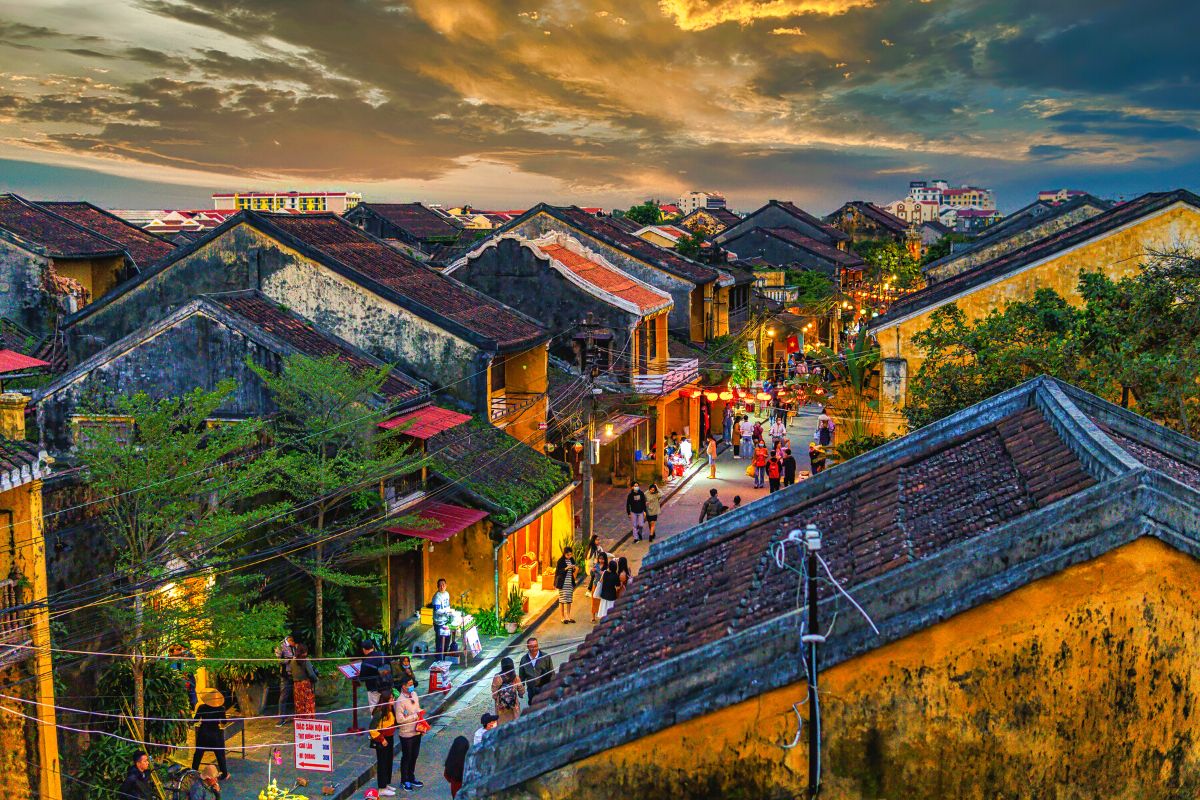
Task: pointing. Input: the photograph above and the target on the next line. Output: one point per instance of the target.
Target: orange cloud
(699, 15)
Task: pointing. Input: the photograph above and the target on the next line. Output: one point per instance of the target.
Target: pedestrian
(182, 664)
(711, 452)
(760, 466)
(727, 426)
(635, 507)
(593, 547)
(778, 431)
(137, 784)
(774, 473)
(441, 621)
(382, 738)
(375, 673)
(609, 582)
(410, 725)
(713, 507)
(304, 682)
(789, 467)
(623, 575)
(210, 735)
(756, 432)
(487, 721)
(747, 428)
(599, 567)
(284, 652)
(816, 457)
(507, 690)
(404, 669)
(685, 450)
(565, 573)
(823, 435)
(737, 502)
(653, 507)
(536, 669)
(456, 762)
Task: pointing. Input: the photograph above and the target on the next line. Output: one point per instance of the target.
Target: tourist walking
(410, 726)
(507, 690)
(304, 682)
(137, 784)
(599, 567)
(789, 467)
(623, 575)
(284, 651)
(456, 762)
(487, 721)
(747, 429)
(711, 452)
(760, 465)
(685, 450)
(635, 508)
(442, 619)
(774, 474)
(778, 432)
(712, 507)
(210, 734)
(816, 457)
(756, 432)
(727, 427)
(823, 435)
(653, 507)
(536, 670)
(609, 582)
(565, 573)
(382, 735)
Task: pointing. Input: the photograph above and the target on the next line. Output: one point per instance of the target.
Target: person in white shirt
(747, 431)
(486, 723)
(685, 450)
(441, 620)
(778, 432)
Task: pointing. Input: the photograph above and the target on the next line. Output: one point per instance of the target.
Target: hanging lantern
(710, 396)
(577, 447)
(608, 429)
(763, 396)
(549, 447)
(726, 395)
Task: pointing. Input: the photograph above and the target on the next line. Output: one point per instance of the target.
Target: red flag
(793, 344)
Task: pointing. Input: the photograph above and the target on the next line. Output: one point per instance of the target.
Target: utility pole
(810, 641)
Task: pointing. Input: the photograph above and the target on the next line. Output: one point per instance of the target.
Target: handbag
(422, 725)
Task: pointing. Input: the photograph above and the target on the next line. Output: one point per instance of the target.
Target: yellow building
(29, 762)
(303, 202)
(1029, 566)
(1115, 242)
(709, 221)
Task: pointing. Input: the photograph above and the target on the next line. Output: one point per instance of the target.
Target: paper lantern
(578, 447)
(763, 396)
(608, 429)
(726, 395)
(710, 396)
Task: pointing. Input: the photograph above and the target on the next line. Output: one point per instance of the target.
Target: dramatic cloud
(607, 101)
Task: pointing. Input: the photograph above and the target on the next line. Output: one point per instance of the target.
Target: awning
(12, 361)
(442, 520)
(620, 424)
(427, 422)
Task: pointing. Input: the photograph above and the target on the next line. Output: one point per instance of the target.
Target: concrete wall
(1079, 685)
(37, 291)
(465, 561)
(680, 289)
(1117, 254)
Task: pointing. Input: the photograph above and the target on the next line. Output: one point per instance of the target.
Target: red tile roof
(426, 422)
(143, 247)
(906, 510)
(335, 238)
(59, 236)
(415, 219)
(608, 279)
(12, 361)
(309, 340)
(814, 246)
(442, 520)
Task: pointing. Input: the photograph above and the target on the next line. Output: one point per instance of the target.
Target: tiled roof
(419, 221)
(814, 246)
(309, 340)
(426, 422)
(438, 521)
(486, 460)
(12, 361)
(143, 247)
(59, 236)
(625, 224)
(17, 455)
(905, 510)
(1155, 459)
(335, 238)
(799, 213)
(1015, 260)
(607, 279)
(604, 229)
(877, 214)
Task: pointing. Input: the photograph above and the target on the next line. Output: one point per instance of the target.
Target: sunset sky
(156, 103)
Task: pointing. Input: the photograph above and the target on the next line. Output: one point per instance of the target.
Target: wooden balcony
(664, 377)
(14, 625)
(506, 404)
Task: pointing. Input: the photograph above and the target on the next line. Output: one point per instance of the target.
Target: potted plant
(515, 610)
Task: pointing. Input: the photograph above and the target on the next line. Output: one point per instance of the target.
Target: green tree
(174, 488)
(942, 247)
(239, 629)
(647, 213)
(814, 287)
(334, 458)
(889, 262)
(852, 371)
(690, 246)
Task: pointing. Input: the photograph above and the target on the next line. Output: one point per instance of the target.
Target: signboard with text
(314, 744)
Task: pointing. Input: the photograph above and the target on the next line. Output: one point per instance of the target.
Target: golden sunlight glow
(699, 15)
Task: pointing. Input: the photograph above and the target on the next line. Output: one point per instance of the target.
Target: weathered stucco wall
(1117, 255)
(976, 256)
(679, 288)
(1080, 685)
(465, 561)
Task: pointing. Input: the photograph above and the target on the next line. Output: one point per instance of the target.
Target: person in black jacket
(536, 669)
(137, 784)
(635, 507)
(210, 735)
(789, 467)
(456, 762)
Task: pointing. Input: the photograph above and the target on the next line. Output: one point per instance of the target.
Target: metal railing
(506, 404)
(663, 377)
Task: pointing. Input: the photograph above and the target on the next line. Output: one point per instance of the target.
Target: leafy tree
(332, 464)
(691, 245)
(647, 213)
(942, 247)
(174, 486)
(238, 625)
(889, 262)
(814, 286)
(852, 371)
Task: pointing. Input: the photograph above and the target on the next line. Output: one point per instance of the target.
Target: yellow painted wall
(658, 239)
(1117, 254)
(527, 373)
(97, 275)
(1080, 685)
(465, 561)
(698, 296)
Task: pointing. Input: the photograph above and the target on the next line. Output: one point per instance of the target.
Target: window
(497, 374)
(86, 428)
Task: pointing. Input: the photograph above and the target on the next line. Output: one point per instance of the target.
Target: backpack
(385, 677)
(506, 697)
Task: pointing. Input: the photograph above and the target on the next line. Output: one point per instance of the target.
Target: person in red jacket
(760, 465)
(773, 472)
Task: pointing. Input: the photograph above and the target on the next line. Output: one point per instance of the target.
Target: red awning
(12, 361)
(444, 520)
(427, 422)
